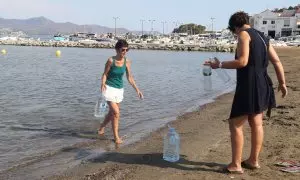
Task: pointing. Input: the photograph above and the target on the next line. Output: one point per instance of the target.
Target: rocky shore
(95, 44)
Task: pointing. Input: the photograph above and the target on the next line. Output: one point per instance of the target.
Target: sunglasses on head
(124, 49)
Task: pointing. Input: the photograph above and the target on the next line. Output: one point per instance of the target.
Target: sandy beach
(205, 141)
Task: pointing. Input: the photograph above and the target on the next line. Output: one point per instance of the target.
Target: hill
(44, 26)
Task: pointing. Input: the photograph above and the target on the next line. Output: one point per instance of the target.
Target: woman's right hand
(140, 94)
(103, 87)
(283, 89)
(213, 63)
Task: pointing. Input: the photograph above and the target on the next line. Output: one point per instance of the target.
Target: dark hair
(121, 43)
(237, 20)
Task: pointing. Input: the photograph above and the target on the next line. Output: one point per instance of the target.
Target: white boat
(59, 37)
(88, 41)
(8, 38)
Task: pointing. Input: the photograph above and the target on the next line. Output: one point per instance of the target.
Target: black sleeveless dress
(254, 92)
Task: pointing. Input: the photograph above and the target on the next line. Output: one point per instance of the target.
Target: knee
(255, 121)
(255, 124)
(256, 127)
(235, 129)
(116, 114)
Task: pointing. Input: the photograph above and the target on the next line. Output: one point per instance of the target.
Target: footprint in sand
(283, 112)
(285, 107)
(293, 88)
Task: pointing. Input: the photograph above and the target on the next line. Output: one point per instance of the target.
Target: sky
(128, 14)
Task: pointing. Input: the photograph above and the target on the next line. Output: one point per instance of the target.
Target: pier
(109, 45)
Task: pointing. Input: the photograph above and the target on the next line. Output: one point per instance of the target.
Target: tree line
(190, 29)
(279, 10)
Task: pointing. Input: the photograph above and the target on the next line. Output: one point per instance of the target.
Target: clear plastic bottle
(206, 70)
(207, 83)
(101, 107)
(171, 146)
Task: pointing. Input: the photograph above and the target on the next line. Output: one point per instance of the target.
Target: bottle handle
(101, 95)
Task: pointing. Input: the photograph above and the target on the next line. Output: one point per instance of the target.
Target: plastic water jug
(101, 107)
(171, 146)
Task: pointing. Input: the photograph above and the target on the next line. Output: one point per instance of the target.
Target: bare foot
(249, 165)
(234, 169)
(101, 131)
(118, 141)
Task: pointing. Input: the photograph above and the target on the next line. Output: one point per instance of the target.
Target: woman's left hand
(140, 94)
(283, 89)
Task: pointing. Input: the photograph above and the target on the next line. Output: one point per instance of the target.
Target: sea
(47, 122)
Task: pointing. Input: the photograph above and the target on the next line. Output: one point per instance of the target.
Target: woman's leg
(108, 118)
(237, 142)
(257, 135)
(115, 107)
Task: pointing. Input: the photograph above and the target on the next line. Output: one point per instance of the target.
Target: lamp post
(142, 21)
(163, 24)
(115, 18)
(175, 25)
(151, 21)
(212, 24)
(167, 27)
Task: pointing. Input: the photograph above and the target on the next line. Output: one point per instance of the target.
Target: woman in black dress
(254, 92)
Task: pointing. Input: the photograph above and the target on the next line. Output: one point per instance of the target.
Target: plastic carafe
(101, 107)
(171, 146)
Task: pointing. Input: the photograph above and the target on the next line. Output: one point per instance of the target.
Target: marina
(175, 42)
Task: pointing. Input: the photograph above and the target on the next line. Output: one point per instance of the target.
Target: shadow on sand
(155, 159)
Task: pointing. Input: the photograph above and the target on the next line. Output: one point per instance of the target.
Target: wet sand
(205, 141)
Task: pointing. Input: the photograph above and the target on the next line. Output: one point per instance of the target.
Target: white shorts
(113, 94)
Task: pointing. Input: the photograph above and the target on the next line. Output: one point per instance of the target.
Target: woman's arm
(130, 78)
(105, 73)
(278, 69)
(242, 54)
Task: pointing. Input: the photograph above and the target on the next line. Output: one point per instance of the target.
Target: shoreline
(87, 150)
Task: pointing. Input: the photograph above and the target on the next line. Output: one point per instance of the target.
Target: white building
(286, 23)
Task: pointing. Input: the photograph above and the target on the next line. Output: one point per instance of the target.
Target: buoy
(3, 51)
(58, 53)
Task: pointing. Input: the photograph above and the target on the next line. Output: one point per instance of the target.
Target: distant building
(281, 24)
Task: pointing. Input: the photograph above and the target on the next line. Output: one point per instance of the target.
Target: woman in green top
(112, 86)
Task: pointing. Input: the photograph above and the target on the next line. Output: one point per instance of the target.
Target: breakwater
(145, 46)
